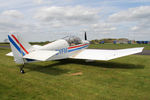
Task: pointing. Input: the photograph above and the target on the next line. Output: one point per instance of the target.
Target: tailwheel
(21, 69)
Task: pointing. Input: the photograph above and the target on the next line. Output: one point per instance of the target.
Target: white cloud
(73, 18)
(134, 28)
(13, 21)
(134, 21)
(103, 26)
(54, 18)
(69, 16)
(12, 13)
(132, 14)
(39, 1)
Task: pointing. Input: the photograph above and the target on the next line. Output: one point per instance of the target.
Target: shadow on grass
(53, 69)
(105, 64)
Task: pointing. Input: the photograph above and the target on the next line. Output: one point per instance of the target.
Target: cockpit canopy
(73, 40)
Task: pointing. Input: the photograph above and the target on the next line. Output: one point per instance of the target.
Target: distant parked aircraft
(68, 47)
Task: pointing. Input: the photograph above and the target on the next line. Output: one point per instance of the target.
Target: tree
(5, 40)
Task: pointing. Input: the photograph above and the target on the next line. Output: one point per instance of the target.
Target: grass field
(119, 46)
(126, 78)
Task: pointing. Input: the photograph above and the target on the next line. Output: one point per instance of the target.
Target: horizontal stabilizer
(41, 55)
(9, 54)
(98, 54)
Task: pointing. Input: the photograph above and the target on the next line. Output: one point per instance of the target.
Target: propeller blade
(85, 36)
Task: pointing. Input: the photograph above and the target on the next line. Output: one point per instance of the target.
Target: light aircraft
(68, 47)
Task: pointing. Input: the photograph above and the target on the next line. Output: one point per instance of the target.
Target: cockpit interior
(73, 40)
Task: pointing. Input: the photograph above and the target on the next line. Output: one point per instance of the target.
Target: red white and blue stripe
(17, 45)
(77, 47)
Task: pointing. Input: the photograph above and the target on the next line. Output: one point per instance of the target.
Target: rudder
(19, 48)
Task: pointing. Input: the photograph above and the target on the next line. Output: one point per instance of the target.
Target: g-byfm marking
(62, 51)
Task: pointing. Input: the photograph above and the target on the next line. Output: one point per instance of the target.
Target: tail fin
(19, 48)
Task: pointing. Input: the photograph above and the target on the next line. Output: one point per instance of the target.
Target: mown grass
(125, 78)
(119, 46)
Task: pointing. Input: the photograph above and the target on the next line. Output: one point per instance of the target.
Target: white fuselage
(64, 49)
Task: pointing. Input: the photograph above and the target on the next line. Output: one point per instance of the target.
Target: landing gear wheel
(22, 71)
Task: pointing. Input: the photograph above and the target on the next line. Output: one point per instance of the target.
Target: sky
(48, 20)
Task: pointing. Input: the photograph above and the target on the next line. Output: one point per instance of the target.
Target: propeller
(85, 36)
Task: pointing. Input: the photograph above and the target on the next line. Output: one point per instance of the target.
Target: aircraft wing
(99, 54)
(41, 55)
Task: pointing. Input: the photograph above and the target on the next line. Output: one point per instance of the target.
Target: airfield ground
(126, 78)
